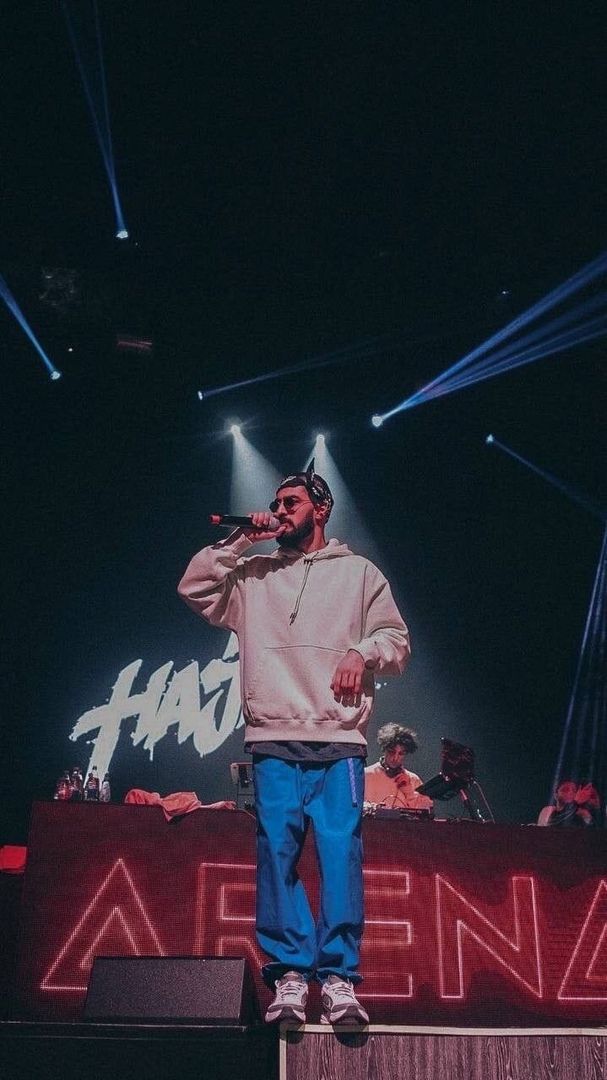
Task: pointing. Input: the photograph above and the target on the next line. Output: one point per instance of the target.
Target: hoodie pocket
(293, 682)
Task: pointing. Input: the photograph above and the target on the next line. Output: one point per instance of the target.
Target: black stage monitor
(171, 989)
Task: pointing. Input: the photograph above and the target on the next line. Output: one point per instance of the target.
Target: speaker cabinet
(172, 989)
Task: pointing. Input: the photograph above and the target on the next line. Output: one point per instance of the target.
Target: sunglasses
(289, 502)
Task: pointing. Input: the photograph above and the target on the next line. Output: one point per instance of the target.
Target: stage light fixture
(320, 439)
(235, 429)
(489, 440)
(56, 375)
(131, 343)
(377, 421)
(61, 288)
(122, 234)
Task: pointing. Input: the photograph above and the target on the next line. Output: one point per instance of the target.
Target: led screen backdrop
(466, 923)
(106, 665)
(200, 703)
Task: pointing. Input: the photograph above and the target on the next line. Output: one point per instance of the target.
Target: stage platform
(70, 1051)
(380, 1052)
(466, 924)
(485, 951)
(54, 1051)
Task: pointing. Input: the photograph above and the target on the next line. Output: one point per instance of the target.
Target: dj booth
(466, 923)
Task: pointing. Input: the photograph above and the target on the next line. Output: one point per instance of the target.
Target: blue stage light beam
(584, 277)
(564, 292)
(539, 343)
(92, 74)
(15, 310)
(588, 331)
(492, 366)
(354, 352)
(583, 751)
(571, 493)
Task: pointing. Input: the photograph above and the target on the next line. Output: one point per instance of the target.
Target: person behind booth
(575, 805)
(388, 783)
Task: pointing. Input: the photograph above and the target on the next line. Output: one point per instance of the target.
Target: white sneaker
(290, 999)
(340, 1004)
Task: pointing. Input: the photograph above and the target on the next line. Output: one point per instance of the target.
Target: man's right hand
(262, 519)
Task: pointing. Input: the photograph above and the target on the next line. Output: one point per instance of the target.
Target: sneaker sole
(286, 1013)
(351, 1018)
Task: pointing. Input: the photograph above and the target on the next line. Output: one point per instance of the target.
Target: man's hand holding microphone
(262, 525)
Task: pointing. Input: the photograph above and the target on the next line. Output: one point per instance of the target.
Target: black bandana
(317, 488)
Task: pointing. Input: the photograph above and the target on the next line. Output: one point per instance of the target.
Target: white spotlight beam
(254, 478)
(346, 521)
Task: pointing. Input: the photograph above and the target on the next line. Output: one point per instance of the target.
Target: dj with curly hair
(388, 783)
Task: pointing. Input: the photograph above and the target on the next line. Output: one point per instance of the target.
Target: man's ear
(321, 513)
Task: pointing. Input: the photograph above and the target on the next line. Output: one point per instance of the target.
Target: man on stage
(315, 624)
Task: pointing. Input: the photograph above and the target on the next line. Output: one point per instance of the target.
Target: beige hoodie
(296, 616)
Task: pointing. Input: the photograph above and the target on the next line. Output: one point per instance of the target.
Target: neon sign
(116, 921)
(451, 929)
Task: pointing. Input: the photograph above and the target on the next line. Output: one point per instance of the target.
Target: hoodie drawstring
(294, 613)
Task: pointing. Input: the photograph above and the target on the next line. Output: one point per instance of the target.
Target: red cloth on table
(180, 802)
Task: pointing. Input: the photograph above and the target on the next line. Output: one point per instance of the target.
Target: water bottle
(91, 791)
(76, 784)
(63, 790)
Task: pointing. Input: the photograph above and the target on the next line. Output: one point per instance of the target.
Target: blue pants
(288, 796)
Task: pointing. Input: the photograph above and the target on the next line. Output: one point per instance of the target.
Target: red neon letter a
(115, 923)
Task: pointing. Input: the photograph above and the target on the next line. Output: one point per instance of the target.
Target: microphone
(234, 521)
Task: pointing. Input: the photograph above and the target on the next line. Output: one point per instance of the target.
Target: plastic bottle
(91, 791)
(76, 784)
(63, 789)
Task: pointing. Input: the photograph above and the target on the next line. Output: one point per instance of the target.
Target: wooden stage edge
(389, 1052)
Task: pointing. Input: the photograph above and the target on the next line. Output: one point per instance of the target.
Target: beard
(294, 538)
